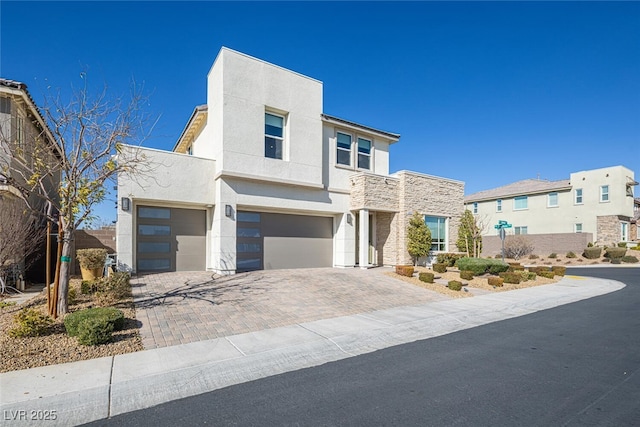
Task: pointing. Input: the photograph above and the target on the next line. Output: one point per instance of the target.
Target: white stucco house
(591, 206)
(261, 178)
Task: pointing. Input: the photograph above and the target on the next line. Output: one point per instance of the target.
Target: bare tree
(470, 234)
(20, 237)
(89, 132)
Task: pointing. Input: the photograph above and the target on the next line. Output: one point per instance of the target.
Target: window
(475, 207)
(190, 150)
(154, 230)
(157, 213)
(552, 200)
(577, 228)
(604, 193)
(364, 153)
(248, 217)
(20, 132)
(624, 231)
(154, 247)
(578, 195)
(520, 202)
(499, 205)
(438, 227)
(5, 105)
(343, 151)
(520, 230)
(273, 135)
(154, 264)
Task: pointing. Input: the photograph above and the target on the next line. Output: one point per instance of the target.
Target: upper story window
(5, 105)
(475, 207)
(604, 193)
(578, 196)
(364, 153)
(552, 200)
(521, 202)
(20, 132)
(273, 135)
(499, 205)
(343, 149)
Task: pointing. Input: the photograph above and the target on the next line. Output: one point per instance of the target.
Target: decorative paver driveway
(183, 307)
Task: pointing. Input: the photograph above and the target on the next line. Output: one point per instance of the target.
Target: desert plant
(629, 259)
(116, 286)
(511, 277)
(480, 266)
(495, 281)
(533, 256)
(466, 275)
(615, 252)
(571, 255)
(454, 285)
(590, 244)
(95, 331)
(4, 304)
(426, 277)
(112, 315)
(558, 270)
(553, 255)
(450, 259)
(622, 245)
(592, 252)
(91, 258)
(30, 323)
(418, 237)
(517, 246)
(547, 274)
(469, 235)
(405, 270)
(439, 268)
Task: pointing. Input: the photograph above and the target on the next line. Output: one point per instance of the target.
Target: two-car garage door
(170, 239)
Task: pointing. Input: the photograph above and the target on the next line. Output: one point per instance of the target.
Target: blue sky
(484, 92)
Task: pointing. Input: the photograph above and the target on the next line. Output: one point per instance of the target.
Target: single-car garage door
(170, 239)
(272, 241)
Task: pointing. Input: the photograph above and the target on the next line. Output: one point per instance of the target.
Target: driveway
(183, 307)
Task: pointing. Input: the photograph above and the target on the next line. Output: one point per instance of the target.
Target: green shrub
(558, 270)
(495, 281)
(590, 245)
(553, 255)
(454, 285)
(480, 266)
(615, 252)
(511, 277)
(95, 331)
(539, 269)
(405, 270)
(30, 323)
(531, 275)
(439, 268)
(616, 260)
(622, 245)
(112, 315)
(449, 259)
(547, 274)
(533, 256)
(592, 252)
(4, 304)
(466, 275)
(635, 248)
(426, 277)
(571, 255)
(629, 259)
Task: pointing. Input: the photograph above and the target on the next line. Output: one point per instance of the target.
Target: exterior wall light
(125, 203)
(228, 211)
(349, 219)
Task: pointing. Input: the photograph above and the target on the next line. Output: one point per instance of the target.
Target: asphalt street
(574, 365)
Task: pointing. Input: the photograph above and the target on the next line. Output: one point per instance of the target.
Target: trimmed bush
(533, 256)
(404, 270)
(112, 315)
(558, 270)
(615, 252)
(480, 266)
(553, 255)
(95, 331)
(449, 259)
(571, 255)
(629, 259)
(466, 275)
(495, 281)
(593, 252)
(531, 275)
(439, 268)
(30, 323)
(622, 245)
(511, 277)
(539, 268)
(425, 277)
(547, 274)
(616, 260)
(454, 285)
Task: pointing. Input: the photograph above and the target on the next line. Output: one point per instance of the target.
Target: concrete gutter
(80, 392)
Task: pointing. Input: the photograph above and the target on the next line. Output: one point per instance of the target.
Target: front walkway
(184, 307)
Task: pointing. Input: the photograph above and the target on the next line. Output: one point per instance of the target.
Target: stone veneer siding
(608, 229)
(374, 192)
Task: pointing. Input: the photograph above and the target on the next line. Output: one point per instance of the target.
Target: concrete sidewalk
(85, 391)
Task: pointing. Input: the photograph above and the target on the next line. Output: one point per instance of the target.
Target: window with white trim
(273, 135)
(438, 227)
(520, 203)
(475, 207)
(624, 231)
(578, 196)
(499, 205)
(343, 149)
(520, 230)
(364, 153)
(577, 228)
(604, 193)
(552, 200)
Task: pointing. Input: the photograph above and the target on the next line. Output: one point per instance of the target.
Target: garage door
(170, 239)
(275, 241)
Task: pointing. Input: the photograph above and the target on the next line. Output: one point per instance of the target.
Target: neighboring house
(21, 125)
(634, 233)
(591, 206)
(261, 178)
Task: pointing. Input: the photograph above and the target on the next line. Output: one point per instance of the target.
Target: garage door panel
(297, 252)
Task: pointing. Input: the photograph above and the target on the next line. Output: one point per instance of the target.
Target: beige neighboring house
(635, 234)
(591, 206)
(261, 178)
(21, 124)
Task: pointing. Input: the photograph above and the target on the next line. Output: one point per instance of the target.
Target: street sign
(501, 222)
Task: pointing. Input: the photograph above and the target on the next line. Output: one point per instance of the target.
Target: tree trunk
(65, 272)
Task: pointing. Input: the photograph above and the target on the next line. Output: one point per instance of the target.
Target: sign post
(503, 234)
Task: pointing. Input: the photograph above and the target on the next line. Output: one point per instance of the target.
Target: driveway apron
(183, 307)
